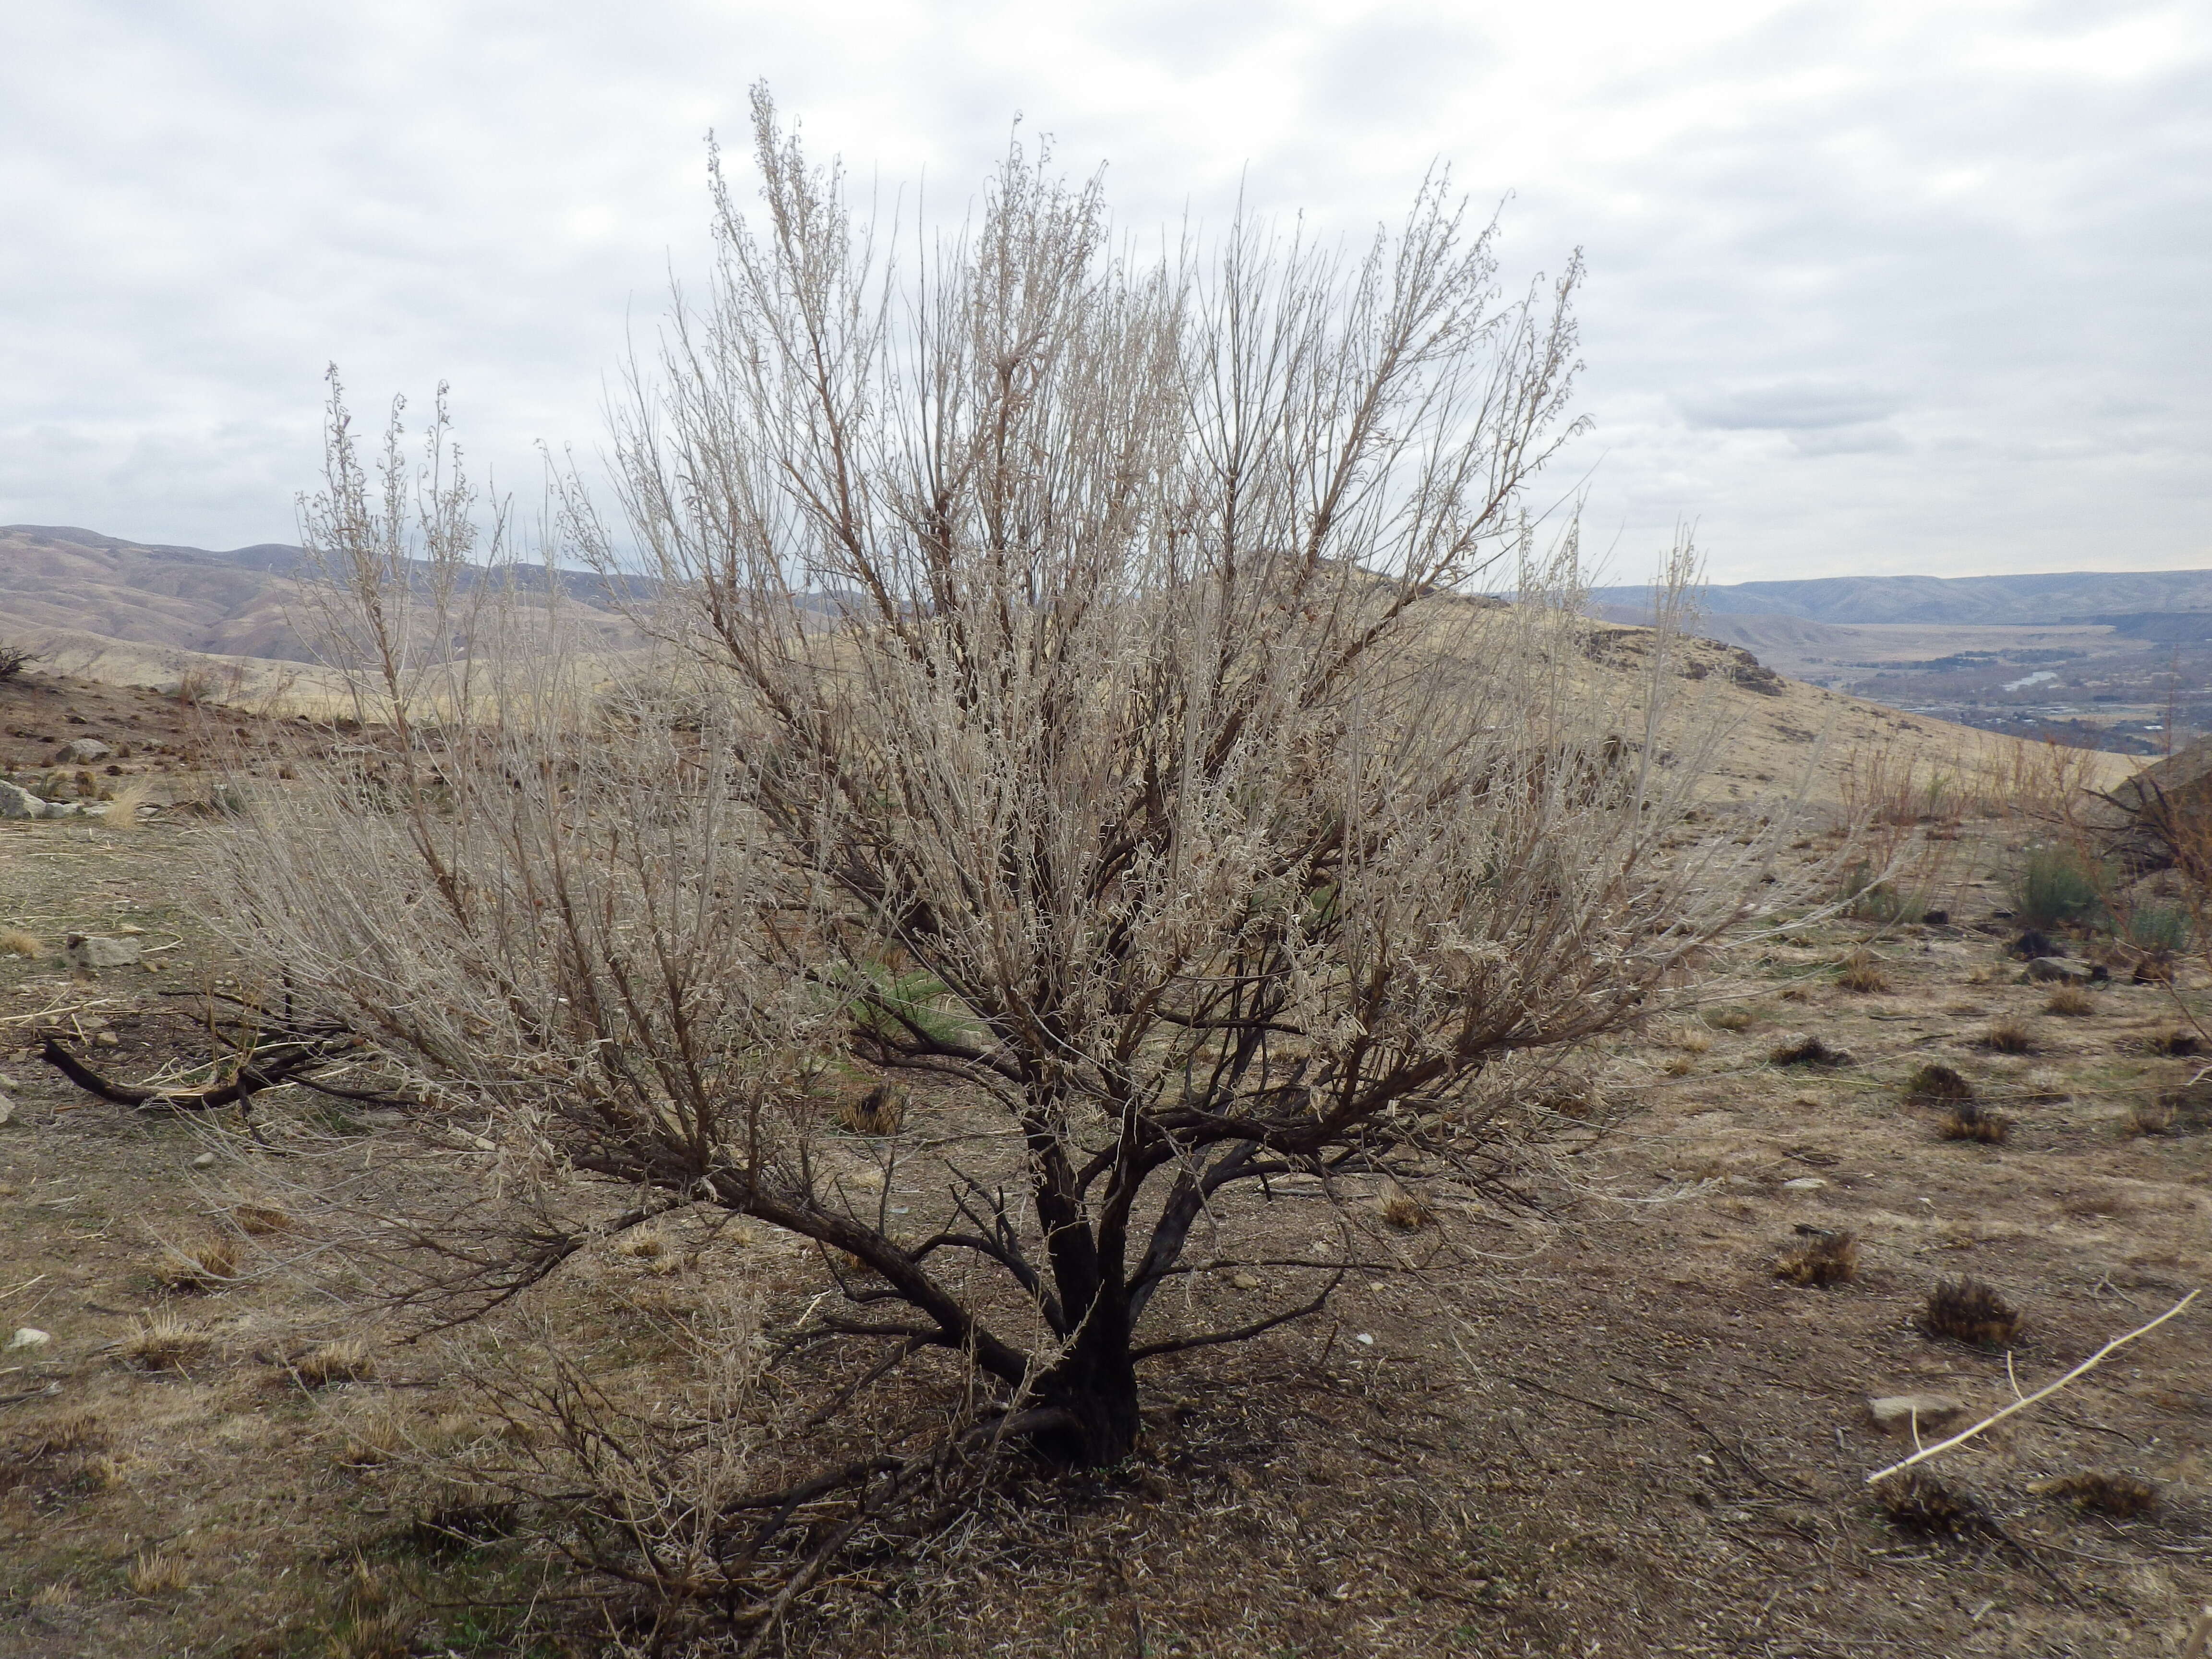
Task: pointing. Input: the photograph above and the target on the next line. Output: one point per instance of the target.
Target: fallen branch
(2043, 1393)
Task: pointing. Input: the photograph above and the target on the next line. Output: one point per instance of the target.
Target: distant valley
(2114, 660)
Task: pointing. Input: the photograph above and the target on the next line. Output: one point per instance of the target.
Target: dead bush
(881, 1111)
(1809, 1050)
(16, 942)
(1823, 1259)
(1967, 1310)
(2008, 1036)
(152, 1573)
(1402, 1212)
(1936, 1085)
(2123, 1497)
(1915, 1501)
(346, 1360)
(1861, 972)
(207, 1265)
(1970, 1121)
(165, 1343)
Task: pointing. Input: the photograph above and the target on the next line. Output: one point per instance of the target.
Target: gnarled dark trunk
(1094, 1384)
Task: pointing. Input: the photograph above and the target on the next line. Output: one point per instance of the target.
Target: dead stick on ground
(2094, 1360)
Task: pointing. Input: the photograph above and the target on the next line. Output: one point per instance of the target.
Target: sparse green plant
(2052, 886)
(2159, 928)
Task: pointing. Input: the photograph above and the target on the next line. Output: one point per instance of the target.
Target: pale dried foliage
(1068, 690)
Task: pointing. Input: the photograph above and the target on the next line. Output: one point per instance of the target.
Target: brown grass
(2009, 1037)
(1861, 972)
(347, 1360)
(16, 942)
(1968, 1311)
(1823, 1260)
(1936, 1085)
(2176, 1044)
(2120, 1496)
(1917, 1502)
(1808, 1051)
(1404, 1212)
(642, 1244)
(1968, 1122)
(881, 1111)
(1731, 1019)
(165, 1343)
(203, 1266)
(260, 1220)
(155, 1574)
(2151, 1115)
(2070, 1002)
(123, 805)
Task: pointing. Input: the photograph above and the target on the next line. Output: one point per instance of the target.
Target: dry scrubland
(1623, 1431)
(1084, 1056)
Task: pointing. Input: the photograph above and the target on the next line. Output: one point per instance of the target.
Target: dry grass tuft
(881, 1111)
(201, 1267)
(2008, 1036)
(1936, 1085)
(2176, 1044)
(56, 1596)
(349, 1359)
(1861, 972)
(155, 1574)
(14, 942)
(260, 1220)
(642, 1244)
(1917, 1502)
(2123, 1497)
(1808, 1051)
(1967, 1310)
(1404, 1212)
(123, 805)
(2070, 1002)
(2151, 1115)
(1730, 1019)
(1690, 1040)
(165, 1343)
(1823, 1260)
(1969, 1121)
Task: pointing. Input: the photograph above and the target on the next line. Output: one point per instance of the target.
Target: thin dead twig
(1995, 1418)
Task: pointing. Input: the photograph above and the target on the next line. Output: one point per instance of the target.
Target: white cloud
(1874, 284)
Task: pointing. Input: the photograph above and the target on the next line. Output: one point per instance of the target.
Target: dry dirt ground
(1617, 1432)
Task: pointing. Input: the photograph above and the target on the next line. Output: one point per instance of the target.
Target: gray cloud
(1874, 284)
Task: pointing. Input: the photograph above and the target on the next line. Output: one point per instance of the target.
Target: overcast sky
(1874, 287)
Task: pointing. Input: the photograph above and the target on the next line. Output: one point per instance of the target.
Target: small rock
(17, 802)
(204, 1161)
(1896, 1413)
(6, 1112)
(8, 1086)
(82, 951)
(26, 1336)
(1804, 1184)
(1364, 1340)
(1245, 1281)
(108, 1040)
(81, 751)
(2057, 970)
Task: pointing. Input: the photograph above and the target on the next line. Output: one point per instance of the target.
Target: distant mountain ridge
(65, 581)
(2040, 600)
